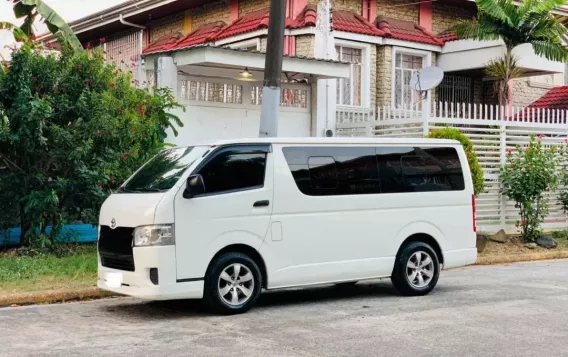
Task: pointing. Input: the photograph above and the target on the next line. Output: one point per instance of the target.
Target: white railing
(491, 129)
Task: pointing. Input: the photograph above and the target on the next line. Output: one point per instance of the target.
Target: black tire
(346, 284)
(212, 293)
(400, 278)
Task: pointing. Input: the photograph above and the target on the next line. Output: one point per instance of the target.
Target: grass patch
(46, 272)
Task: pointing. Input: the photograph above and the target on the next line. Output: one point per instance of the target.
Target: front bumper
(138, 283)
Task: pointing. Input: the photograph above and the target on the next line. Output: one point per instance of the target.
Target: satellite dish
(426, 79)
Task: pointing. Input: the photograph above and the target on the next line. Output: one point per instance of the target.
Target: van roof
(334, 140)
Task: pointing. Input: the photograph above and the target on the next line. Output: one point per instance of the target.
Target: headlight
(162, 234)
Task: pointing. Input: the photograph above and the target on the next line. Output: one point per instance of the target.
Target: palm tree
(529, 22)
(30, 9)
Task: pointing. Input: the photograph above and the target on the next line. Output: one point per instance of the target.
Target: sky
(70, 10)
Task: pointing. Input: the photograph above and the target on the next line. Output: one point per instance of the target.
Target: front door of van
(235, 208)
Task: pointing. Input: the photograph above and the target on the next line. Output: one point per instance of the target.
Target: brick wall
(248, 6)
(347, 5)
(384, 75)
(166, 25)
(206, 14)
(305, 45)
(524, 93)
(407, 10)
(444, 16)
(373, 76)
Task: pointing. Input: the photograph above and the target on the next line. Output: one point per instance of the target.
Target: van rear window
(330, 171)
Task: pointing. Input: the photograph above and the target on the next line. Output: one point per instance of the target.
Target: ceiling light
(246, 73)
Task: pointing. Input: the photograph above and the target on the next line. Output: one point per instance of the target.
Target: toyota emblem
(113, 223)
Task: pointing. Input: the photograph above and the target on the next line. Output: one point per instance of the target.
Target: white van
(225, 220)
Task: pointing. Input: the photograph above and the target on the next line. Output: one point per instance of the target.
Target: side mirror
(195, 186)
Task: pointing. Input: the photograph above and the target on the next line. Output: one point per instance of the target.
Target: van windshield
(163, 171)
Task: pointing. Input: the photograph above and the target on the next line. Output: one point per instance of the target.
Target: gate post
(502, 161)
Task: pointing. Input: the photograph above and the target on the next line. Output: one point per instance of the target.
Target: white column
(166, 74)
(325, 101)
(166, 77)
(323, 107)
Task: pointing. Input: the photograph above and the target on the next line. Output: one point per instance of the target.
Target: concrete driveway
(515, 310)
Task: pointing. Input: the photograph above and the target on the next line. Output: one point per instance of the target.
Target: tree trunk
(23, 226)
(504, 96)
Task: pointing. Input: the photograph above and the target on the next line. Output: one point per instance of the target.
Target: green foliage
(563, 195)
(529, 173)
(532, 22)
(474, 167)
(73, 129)
(29, 10)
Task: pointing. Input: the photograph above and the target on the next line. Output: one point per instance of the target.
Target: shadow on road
(273, 299)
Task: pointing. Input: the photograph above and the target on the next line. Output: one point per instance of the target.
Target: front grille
(115, 248)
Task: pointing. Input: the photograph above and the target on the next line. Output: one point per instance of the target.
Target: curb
(61, 296)
(504, 259)
(53, 296)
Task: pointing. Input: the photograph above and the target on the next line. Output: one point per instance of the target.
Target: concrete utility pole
(270, 110)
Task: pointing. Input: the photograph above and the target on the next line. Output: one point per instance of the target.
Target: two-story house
(379, 44)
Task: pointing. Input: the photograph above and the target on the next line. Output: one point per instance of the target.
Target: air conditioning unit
(329, 133)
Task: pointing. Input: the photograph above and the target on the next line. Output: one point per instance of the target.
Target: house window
(349, 90)
(404, 96)
(202, 91)
(289, 97)
(455, 89)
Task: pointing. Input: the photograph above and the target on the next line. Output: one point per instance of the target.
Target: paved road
(515, 310)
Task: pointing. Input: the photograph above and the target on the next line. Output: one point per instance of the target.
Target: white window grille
(124, 52)
(404, 96)
(289, 97)
(349, 90)
(202, 91)
(456, 89)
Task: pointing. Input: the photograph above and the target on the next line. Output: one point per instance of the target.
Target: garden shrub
(528, 174)
(475, 168)
(72, 128)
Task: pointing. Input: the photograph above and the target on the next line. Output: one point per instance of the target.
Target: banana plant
(18, 33)
(30, 9)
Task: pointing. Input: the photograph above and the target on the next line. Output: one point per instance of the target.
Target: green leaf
(18, 33)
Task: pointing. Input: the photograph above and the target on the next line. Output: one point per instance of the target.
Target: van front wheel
(416, 270)
(233, 283)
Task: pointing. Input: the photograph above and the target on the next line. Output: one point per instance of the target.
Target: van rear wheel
(232, 284)
(416, 270)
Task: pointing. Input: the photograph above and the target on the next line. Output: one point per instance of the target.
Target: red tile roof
(250, 22)
(447, 36)
(306, 18)
(556, 98)
(406, 31)
(203, 34)
(351, 22)
(162, 43)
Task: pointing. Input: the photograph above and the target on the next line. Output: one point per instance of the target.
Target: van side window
(230, 171)
(414, 169)
(330, 171)
(323, 172)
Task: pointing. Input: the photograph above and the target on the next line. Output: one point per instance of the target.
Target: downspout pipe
(140, 43)
(124, 22)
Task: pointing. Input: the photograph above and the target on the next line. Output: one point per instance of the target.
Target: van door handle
(264, 203)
